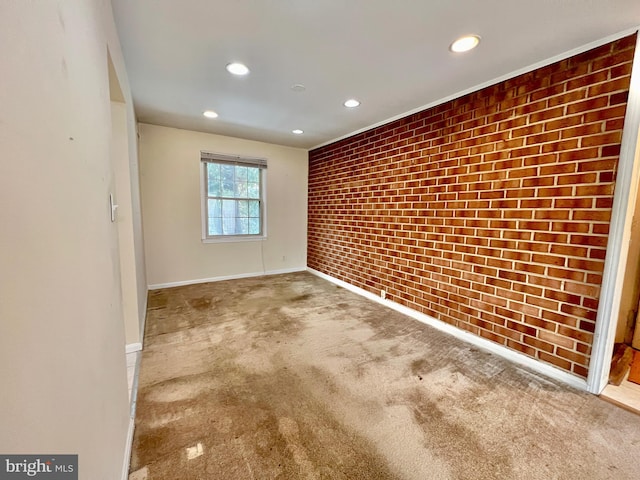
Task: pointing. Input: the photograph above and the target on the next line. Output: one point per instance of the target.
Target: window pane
(253, 190)
(242, 226)
(241, 174)
(214, 207)
(228, 208)
(228, 226)
(241, 189)
(254, 208)
(215, 226)
(254, 226)
(228, 217)
(213, 179)
(253, 174)
(243, 208)
(227, 173)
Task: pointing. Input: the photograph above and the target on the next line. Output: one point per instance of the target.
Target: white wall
(62, 365)
(125, 224)
(170, 192)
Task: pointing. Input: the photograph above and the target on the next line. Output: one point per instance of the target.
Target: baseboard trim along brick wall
(510, 354)
(489, 212)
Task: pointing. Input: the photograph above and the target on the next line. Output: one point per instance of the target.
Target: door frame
(624, 200)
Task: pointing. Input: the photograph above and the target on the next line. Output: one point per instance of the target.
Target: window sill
(232, 239)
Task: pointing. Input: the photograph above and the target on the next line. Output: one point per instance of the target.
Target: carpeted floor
(291, 377)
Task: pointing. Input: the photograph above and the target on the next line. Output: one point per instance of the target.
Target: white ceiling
(391, 55)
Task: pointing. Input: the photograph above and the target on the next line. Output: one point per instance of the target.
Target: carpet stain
(301, 298)
(269, 425)
(420, 367)
(157, 299)
(290, 377)
(202, 303)
(461, 447)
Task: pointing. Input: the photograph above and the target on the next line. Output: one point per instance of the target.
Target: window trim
(211, 157)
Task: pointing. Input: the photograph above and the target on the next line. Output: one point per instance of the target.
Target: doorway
(623, 388)
(620, 283)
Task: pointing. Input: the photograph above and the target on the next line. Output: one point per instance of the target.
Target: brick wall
(489, 212)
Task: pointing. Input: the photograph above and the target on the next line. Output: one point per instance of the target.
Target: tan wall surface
(170, 186)
(62, 364)
(124, 219)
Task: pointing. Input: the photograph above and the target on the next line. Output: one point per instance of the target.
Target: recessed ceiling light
(351, 103)
(210, 114)
(237, 68)
(464, 44)
(297, 131)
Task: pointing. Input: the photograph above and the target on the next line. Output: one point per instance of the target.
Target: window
(233, 200)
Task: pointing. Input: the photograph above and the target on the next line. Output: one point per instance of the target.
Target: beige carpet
(291, 377)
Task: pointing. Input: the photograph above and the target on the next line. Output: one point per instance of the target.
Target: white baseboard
(144, 319)
(512, 355)
(133, 347)
(226, 277)
(127, 450)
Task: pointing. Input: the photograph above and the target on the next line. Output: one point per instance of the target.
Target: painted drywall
(136, 217)
(170, 192)
(124, 220)
(62, 338)
(124, 158)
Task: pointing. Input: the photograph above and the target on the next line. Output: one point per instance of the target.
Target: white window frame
(210, 157)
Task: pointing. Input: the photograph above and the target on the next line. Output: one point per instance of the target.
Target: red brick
(572, 227)
(520, 347)
(558, 362)
(584, 153)
(618, 98)
(576, 179)
(589, 240)
(564, 122)
(556, 339)
(549, 260)
(539, 344)
(605, 114)
(573, 203)
(555, 112)
(580, 370)
(599, 165)
(552, 214)
(568, 144)
(560, 318)
(602, 139)
(592, 215)
(586, 105)
(569, 97)
(566, 274)
(608, 87)
(594, 190)
(585, 80)
(582, 264)
(536, 203)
